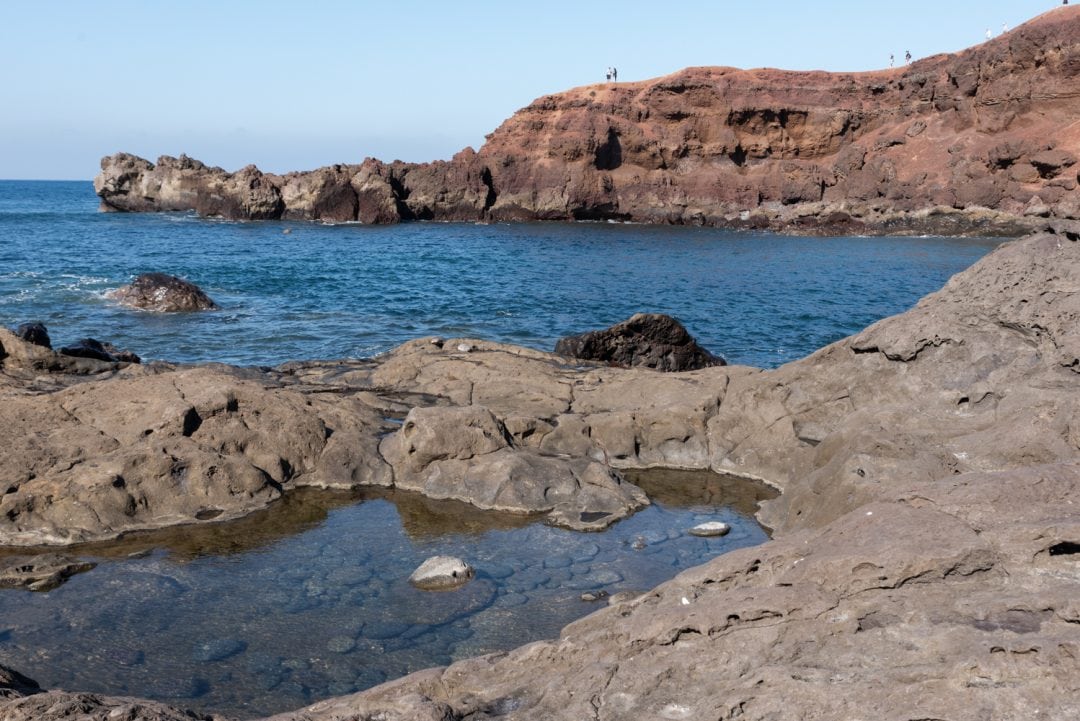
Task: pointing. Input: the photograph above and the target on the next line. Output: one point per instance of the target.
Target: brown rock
(162, 293)
(647, 340)
(712, 146)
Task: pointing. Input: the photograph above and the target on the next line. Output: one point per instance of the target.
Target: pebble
(711, 528)
(380, 630)
(341, 644)
(442, 572)
(218, 649)
(558, 562)
(497, 570)
(465, 348)
(586, 552)
(592, 596)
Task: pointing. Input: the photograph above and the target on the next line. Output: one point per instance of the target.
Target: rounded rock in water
(711, 528)
(442, 572)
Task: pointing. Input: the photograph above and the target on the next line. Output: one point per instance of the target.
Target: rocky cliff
(979, 141)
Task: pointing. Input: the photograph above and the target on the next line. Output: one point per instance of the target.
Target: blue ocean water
(322, 291)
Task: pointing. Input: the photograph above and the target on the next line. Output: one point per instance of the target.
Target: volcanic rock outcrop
(926, 561)
(982, 141)
(162, 293)
(646, 340)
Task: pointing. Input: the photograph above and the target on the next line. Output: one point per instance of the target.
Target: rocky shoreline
(980, 142)
(925, 561)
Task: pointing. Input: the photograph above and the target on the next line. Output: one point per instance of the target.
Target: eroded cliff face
(980, 141)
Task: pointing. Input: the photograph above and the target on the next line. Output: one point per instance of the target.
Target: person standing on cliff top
(907, 57)
(614, 74)
(607, 75)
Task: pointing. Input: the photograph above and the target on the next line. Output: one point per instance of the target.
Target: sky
(296, 85)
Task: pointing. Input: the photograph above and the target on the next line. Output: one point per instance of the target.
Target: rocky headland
(926, 557)
(978, 142)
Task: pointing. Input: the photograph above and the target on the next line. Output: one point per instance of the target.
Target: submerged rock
(162, 293)
(648, 340)
(39, 573)
(440, 573)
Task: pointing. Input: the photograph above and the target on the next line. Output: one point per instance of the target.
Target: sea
(302, 290)
(309, 598)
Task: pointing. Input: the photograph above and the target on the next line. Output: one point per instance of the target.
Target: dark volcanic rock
(162, 293)
(13, 683)
(35, 333)
(649, 340)
(99, 350)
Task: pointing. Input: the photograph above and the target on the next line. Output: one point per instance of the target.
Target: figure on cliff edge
(614, 74)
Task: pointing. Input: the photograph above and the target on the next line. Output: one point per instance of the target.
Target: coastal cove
(725, 395)
(340, 291)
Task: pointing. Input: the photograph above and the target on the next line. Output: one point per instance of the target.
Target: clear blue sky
(296, 85)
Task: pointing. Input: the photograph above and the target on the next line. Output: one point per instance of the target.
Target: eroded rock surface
(948, 145)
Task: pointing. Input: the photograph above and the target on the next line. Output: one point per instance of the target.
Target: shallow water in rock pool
(310, 598)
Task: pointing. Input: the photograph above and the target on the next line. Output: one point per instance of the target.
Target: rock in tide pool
(162, 293)
(648, 340)
(39, 573)
(440, 573)
(712, 528)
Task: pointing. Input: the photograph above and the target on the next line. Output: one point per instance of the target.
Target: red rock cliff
(983, 140)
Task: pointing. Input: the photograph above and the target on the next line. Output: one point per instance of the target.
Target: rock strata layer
(926, 561)
(980, 142)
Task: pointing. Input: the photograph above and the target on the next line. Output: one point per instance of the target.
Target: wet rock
(39, 573)
(710, 528)
(99, 350)
(13, 683)
(34, 333)
(442, 572)
(162, 293)
(648, 340)
(594, 596)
